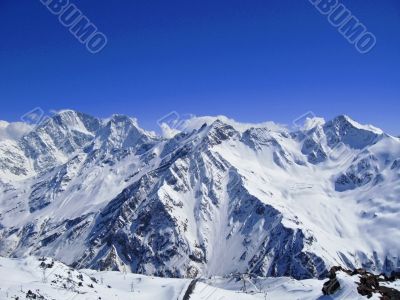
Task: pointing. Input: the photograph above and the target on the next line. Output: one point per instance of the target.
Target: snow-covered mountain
(219, 197)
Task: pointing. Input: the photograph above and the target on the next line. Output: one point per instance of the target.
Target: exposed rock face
(219, 199)
(360, 173)
(331, 286)
(53, 141)
(344, 130)
(369, 284)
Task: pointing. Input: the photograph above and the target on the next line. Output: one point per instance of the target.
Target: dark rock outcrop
(331, 286)
(369, 284)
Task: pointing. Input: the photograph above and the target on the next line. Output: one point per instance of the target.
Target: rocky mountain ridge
(215, 199)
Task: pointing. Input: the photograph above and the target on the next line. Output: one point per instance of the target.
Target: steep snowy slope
(219, 197)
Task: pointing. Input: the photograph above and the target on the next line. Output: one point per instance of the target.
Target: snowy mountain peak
(219, 131)
(344, 129)
(218, 197)
(56, 139)
(343, 121)
(121, 132)
(74, 120)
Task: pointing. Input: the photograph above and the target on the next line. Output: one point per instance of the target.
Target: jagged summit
(347, 119)
(79, 121)
(216, 197)
(344, 129)
(121, 131)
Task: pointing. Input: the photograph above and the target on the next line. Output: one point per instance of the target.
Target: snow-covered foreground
(19, 276)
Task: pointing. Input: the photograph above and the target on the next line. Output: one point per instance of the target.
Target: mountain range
(214, 198)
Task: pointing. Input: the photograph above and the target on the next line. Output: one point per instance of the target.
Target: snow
(311, 123)
(167, 131)
(18, 276)
(364, 127)
(13, 131)
(194, 123)
(93, 167)
(284, 288)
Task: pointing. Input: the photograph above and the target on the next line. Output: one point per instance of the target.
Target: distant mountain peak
(344, 120)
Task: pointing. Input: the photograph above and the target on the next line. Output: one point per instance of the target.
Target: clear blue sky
(252, 60)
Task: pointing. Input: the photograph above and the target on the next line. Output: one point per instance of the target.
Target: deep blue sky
(252, 60)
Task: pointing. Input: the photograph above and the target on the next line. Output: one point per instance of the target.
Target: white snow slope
(218, 197)
(19, 276)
